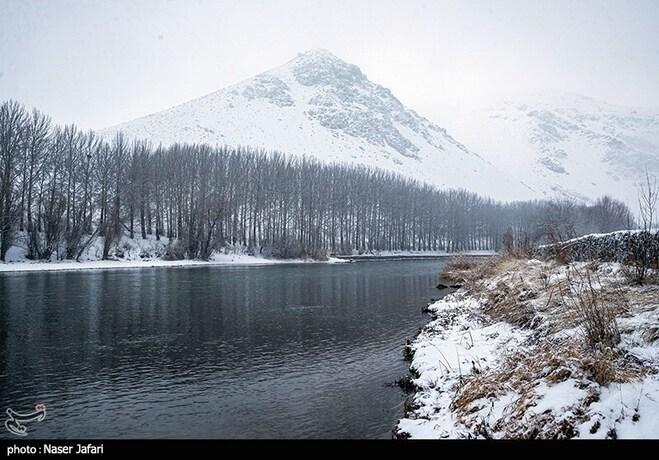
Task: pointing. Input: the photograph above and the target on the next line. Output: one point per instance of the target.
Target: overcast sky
(99, 63)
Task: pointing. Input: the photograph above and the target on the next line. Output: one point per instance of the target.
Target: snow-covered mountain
(566, 144)
(541, 145)
(321, 106)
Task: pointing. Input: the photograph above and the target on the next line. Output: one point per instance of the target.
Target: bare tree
(647, 200)
(641, 246)
(12, 129)
(37, 143)
(65, 188)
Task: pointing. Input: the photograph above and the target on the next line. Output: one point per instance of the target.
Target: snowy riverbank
(152, 252)
(219, 259)
(136, 253)
(508, 356)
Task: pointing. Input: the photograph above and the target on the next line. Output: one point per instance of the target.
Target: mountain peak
(317, 53)
(321, 67)
(317, 104)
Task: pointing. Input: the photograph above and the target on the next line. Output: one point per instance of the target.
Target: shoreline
(225, 260)
(412, 255)
(501, 358)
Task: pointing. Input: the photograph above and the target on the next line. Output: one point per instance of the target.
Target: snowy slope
(320, 106)
(565, 144)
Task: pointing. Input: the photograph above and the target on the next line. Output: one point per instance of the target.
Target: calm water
(300, 351)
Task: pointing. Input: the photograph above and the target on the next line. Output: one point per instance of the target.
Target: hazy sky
(99, 63)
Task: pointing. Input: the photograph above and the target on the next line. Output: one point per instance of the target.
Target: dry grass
(469, 270)
(458, 269)
(461, 264)
(555, 301)
(509, 302)
(521, 293)
(512, 298)
(593, 309)
(646, 297)
(521, 372)
(552, 361)
(507, 285)
(474, 274)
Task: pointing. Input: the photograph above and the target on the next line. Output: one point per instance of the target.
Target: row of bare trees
(62, 189)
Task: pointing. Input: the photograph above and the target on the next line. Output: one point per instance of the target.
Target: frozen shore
(507, 356)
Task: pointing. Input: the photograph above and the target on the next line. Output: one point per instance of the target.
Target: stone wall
(610, 247)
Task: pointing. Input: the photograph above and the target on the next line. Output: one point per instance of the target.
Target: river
(281, 351)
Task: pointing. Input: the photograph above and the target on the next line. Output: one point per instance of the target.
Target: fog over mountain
(565, 144)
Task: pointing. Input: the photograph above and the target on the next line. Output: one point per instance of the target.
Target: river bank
(152, 253)
(136, 253)
(219, 259)
(410, 255)
(537, 349)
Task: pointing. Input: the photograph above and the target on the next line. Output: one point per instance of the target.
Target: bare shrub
(292, 248)
(648, 196)
(175, 250)
(643, 254)
(643, 250)
(594, 313)
(601, 366)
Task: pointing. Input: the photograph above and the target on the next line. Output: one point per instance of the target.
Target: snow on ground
(220, 259)
(134, 253)
(489, 367)
(456, 344)
(629, 408)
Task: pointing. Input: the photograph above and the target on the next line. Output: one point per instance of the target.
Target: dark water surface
(301, 351)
